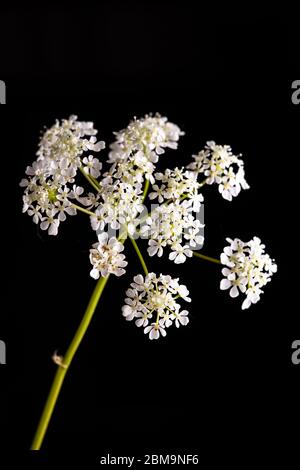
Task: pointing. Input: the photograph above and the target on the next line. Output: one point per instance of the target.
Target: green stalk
(146, 189)
(82, 209)
(139, 255)
(207, 258)
(91, 180)
(65, 364)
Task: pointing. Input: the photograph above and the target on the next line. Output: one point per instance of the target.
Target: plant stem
(139, 255)
(203, 182)
(77, 339)
(207, 258)
(82, 209)
(66, 362)
(146, 189)
(93, 182)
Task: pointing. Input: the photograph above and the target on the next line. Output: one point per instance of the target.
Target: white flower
(193, 236)
(155, 295)
(181, 318)
(155, 330)
(179, 253)
(182, 291)
(92, 166)
(156, 247)
(174, 222)
(233, 282)
(142, 318)
(220, 166)
(106, 257)
(34, 212)
(149, 136)
(120, 201)
(63, 208)
(59, 157)
(133, 156)
(158, 192)
(248, 269)
(175, 184)
(129, 312)
(50, 222)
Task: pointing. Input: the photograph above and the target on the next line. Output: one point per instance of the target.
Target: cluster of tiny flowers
(173, 223)
(51, 193)
(121, 203)
(248, 269)
(143, 141)
(133, 156)
(106, 257)
(47, 194)
(151, 301)
(220, 166)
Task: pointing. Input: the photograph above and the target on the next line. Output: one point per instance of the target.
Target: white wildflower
(133, 156)
(248, 269)
(155, 295)
(155, 330)
(220, 166)
(180, 253)
(59, 158)
(92, 166)
(50, 223)
(149, 136)
(181, 318)
(106, 257)
(175, 222)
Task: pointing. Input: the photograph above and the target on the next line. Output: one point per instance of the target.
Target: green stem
(93, 182)
(203, 182)
(207, 258)
(65, 364)
(82, 209)
(146, 189)
(139, 255)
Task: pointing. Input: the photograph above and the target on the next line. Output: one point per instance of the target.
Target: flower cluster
(248, 269)
(133, 156)
(173, 223)
(154, 297)
(106, 257)
(146, 137)
(47, 194)
(50, 193)
(220, 166)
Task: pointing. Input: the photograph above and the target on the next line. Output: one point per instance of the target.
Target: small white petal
(225, 284)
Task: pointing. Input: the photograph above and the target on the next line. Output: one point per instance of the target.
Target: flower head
(175, 223)
(155, 297)
(146, 137)
(220, 166)
(248, 269)
(46, 194)
(106, 257)
(133, 156)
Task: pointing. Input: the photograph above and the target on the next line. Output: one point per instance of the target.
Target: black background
(224, 386)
